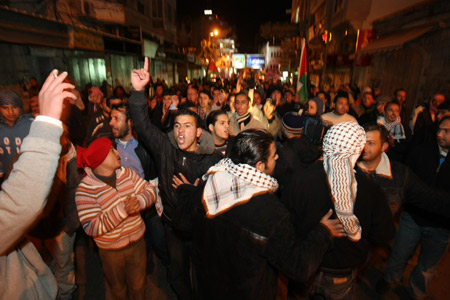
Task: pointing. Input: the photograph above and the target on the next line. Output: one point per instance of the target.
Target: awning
(394, 41)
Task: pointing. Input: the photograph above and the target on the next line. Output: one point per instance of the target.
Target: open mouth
(180, 139)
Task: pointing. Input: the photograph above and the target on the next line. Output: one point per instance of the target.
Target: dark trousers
(334, 284)
(124, 270)
(155, 240)
(180, 255)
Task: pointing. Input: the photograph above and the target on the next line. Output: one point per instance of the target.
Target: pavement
(91, 286)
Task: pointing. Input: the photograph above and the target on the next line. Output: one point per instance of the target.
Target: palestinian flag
(302, 86)
(213, 72)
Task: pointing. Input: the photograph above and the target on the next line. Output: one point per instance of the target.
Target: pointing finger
(146, 64)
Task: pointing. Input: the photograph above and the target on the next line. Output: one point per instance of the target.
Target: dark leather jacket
(169, 159)
(236, 254)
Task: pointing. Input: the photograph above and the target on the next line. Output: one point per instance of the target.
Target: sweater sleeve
(145, 191)
(24, 193)
(94, 220)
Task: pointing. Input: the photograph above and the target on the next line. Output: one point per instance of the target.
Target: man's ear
(385, 147)
(211, 128)
(199, 132)
(260, 166)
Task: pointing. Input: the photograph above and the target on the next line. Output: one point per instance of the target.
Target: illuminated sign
(238, 61)
(255, 61)
(208, 12)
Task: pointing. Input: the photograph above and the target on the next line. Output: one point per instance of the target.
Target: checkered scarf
(395, 128)
(342, 145)
(229, 184)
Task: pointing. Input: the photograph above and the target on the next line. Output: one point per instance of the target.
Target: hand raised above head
(140, 77)
(53, 93)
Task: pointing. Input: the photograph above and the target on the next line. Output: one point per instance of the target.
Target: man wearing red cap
(109, 199)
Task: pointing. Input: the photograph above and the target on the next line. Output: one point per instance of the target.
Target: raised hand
(140, 78)
(333, 225)
(53, 93)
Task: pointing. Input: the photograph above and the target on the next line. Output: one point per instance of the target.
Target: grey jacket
(23, 273)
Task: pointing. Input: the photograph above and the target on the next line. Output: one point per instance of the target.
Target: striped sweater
(102, 211)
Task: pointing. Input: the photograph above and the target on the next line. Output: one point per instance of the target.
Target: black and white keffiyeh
(229, 184)
(394, 128)
(342, 145)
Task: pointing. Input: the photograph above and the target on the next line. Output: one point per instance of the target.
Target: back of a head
(251, 146)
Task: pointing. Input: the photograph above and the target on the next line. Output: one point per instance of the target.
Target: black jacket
(293, 154)
(406, 188)
(169, 159)
(424, 161)
(237, 253)
(308, 198)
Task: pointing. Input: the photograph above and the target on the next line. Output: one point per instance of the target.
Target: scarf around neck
(228, 184)
(243, 120)
(395, 128)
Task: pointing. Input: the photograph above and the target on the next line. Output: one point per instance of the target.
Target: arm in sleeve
(94, 220)
(24, 193)
(297, 259)
(145, 191)
(152, 138)
(425, 197)
(382, 228)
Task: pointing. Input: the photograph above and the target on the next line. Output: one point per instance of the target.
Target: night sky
(245, 16)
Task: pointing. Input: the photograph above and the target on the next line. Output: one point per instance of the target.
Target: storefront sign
(83, 39)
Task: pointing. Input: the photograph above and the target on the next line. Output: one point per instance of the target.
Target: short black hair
(446, 118)
(243, 94)
(108, 100)
(341, 94)
(212, 117)
(188, 112)
(251, 146)
(391, 103)
(399, 90)
(123, 108)
(384, 133)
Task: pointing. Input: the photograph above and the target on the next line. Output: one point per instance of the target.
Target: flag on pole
(213, 72)
(302, 86)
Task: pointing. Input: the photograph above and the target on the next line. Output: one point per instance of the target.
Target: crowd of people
(231, 183)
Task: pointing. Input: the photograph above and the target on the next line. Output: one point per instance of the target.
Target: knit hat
(95, 91)
(94, 154)
(293, 123)
(10, 98)
(342, 145)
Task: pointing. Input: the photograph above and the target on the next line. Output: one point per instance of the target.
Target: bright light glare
(208, 12)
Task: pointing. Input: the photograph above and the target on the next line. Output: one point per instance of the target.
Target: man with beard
(241, 232)
(134, 156)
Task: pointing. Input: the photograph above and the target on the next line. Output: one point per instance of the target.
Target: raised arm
(149, 134)
(25, 192)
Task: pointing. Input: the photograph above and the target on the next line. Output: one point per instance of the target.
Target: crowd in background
(415, 199)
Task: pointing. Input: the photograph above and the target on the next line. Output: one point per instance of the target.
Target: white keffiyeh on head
(342, 145)
(229, 184)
